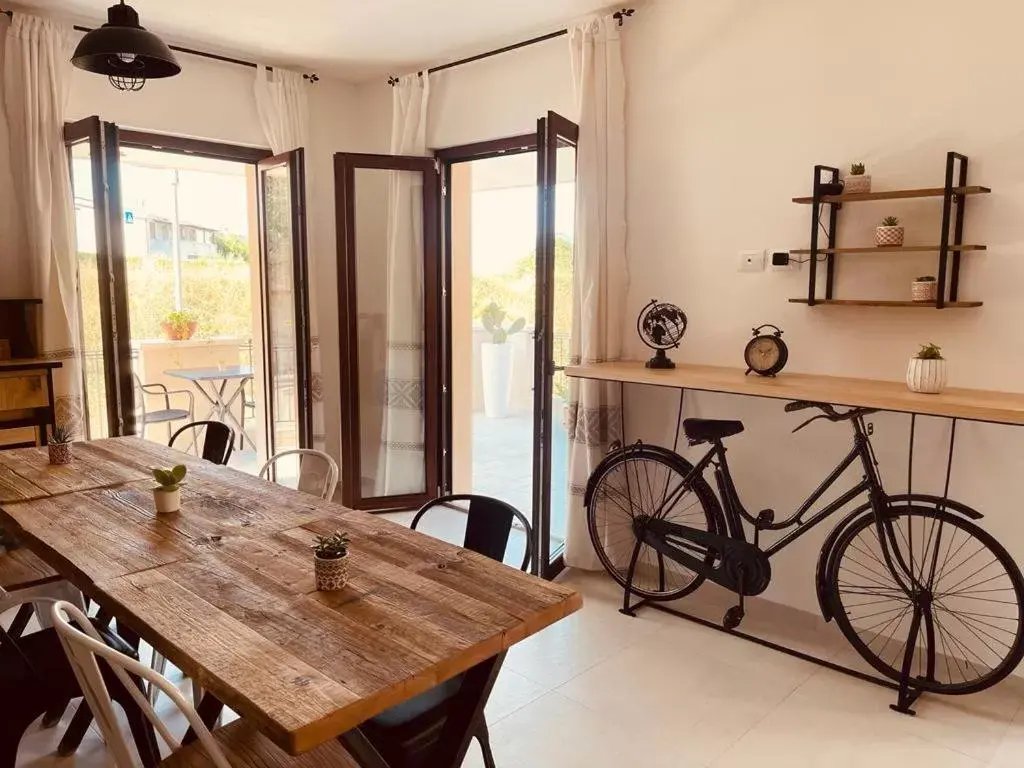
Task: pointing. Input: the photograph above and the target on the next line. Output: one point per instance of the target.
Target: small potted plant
(167, 494)
(856, 182)
(330, 561)
(59, 445)
(496, 360)
(924, 288)
(889, 233)
(927, 370)
(179, 326)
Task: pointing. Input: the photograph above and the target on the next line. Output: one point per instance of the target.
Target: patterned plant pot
(331, 573)
(924, 290)
(926, 376)
(888, 236)
(60, 453)
(856, 185)
(167, 501)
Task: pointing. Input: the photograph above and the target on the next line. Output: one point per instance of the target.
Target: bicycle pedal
(766, 517)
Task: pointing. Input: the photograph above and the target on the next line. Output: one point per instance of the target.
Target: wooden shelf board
(887, 303)
(974, 404)
(893, 249)
(893, 194)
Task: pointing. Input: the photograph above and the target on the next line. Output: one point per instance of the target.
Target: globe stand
(660, 361)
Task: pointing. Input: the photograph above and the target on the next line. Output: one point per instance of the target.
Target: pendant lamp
(124, 51)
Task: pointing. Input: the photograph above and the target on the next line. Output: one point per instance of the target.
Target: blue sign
(129, 217)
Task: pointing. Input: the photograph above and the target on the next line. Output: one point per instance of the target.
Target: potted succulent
(330, 561)
(927, 370)
(856, 182)
(924, 288)
(496, 360)
(59, 445)
(179, 325)
(889, 232)
(167, 494)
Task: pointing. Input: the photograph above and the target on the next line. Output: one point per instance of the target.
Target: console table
(26, 400)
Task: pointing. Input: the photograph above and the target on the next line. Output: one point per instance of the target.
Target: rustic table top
(225, 589)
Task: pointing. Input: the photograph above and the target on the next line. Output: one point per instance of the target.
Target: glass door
(93, 149)
(389, 305)
(284, 282)
(556, 206)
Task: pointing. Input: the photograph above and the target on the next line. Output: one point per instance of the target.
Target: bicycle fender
(825, 558)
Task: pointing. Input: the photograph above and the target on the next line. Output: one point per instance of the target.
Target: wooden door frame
(345, 165)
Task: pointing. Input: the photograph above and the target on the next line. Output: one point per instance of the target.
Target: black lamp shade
(123, 48)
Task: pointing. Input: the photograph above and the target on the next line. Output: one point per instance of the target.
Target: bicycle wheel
(975, 592)
(641, 483)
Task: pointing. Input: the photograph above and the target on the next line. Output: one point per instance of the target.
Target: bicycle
(910, 566)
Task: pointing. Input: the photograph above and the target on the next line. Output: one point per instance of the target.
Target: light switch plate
(751, 261)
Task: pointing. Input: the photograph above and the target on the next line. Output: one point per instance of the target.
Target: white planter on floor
(926, 376)
(167, 501)
(496, 371)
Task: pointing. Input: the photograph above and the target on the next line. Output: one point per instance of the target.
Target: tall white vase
(496, 371)
(926, 376)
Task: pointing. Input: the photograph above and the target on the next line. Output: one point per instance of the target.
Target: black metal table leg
(466, 710)
(209, 711)
(362, 750)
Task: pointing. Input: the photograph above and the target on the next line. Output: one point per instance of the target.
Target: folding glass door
(389, 303)
(556, 207)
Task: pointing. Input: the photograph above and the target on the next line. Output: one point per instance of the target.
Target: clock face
(763, 353)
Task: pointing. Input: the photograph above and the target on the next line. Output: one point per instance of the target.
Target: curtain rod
(619, 16)
(312, 78)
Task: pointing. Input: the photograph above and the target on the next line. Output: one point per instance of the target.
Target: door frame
(345, 165)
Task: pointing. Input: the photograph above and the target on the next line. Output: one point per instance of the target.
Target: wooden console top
(972, 404)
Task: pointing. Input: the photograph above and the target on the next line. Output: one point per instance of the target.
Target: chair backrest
(488, 525)
(218, 442)
(318, 472)
(83, 645)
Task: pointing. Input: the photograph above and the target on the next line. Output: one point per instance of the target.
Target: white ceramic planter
(855, 185)
(60, 453)
(888, 236)
(167, 501)
(331, 573)
(926, 376)
(924, 290)
(496, 371)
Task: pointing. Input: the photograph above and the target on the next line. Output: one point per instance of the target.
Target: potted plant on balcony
(59, 445)
(496, 360)
(889, 233)
(856, 181)
(926, 372)
(180, 325)
(167, 494)
(330, 561)
(924, 288)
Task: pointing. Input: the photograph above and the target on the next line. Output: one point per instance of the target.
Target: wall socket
(751, 261)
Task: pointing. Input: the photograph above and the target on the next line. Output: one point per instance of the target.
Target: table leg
(239, 392)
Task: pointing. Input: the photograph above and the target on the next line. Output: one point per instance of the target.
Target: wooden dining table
(225, 589)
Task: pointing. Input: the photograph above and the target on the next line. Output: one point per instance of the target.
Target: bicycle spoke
(994, 560)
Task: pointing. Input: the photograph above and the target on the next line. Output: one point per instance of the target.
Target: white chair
(239, 741)
(318, 472)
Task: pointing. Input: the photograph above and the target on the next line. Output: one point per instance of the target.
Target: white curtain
(283, 107)
(400, 468)
(36, 78)
(601, 277)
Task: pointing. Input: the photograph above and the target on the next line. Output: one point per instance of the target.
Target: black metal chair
(405, 734)
(218, 441)
(36, 680)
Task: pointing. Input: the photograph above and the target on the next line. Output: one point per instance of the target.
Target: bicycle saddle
(706, 430)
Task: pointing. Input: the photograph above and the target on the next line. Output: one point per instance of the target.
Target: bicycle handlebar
(828, 411)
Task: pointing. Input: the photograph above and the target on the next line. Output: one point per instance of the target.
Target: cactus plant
(493, 319)
(890, 221)
(60, 434)
(857, 169)
(331, 547)
(930, 352)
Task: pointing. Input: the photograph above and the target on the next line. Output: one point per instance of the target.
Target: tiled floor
(600, 689)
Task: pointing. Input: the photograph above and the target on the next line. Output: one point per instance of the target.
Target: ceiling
(352, 39)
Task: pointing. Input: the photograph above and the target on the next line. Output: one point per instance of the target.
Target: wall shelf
(893, 194)
(824, 224)
(893, 249)
(888, 303)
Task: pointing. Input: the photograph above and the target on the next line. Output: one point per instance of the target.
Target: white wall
(730, 106)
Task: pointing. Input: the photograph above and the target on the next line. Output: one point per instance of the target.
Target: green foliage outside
(215, 291)
(231, 246)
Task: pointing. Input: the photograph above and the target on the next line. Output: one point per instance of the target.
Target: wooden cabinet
(26, 401)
